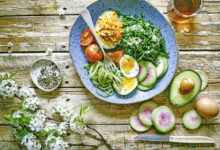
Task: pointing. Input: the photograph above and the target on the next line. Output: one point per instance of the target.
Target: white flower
(61, 11)
(26, 92)
(10, 44)
(49, 52)
(37, 121)
(31, 103)
(62, 128)
(55, 143)
(77, 125)
(8, 88)
(50, 126)
(31, 142)
(63, 111)
(17, 114)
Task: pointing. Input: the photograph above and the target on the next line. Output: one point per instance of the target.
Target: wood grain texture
(34, 26)
(121, 137)
(50, 7)
(38, 33)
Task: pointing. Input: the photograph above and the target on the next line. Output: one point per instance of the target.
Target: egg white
(133, 72)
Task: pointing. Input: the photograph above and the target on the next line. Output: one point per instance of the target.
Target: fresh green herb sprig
(141, 39)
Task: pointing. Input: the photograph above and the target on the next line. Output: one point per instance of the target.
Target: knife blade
(176, 139)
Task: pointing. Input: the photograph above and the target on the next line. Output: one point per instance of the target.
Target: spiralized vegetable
(106, 80)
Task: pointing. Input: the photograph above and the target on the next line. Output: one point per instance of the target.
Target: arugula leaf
(141, 39)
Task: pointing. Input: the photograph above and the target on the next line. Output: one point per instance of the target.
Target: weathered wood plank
(209, 62)
(121, 137)
(105, 113)
(38, 33)
(50, 7)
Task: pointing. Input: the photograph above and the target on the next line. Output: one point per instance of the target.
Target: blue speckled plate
(126, 7)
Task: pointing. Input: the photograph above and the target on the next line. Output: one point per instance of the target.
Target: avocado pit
(186, 85)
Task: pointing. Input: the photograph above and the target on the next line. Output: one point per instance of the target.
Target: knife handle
(191, 139)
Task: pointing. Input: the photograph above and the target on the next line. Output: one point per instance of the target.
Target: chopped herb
(49, 77)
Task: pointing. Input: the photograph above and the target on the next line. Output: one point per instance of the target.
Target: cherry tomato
(93, 54)
(109, 54)
(86, 37)
(116, 56)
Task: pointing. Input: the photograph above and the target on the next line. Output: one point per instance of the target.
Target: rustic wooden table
(33, 26)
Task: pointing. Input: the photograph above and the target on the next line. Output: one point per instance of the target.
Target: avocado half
(178, 99)
(97, 27)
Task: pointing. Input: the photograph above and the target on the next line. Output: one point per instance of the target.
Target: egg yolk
(128, 83)
(127, 64)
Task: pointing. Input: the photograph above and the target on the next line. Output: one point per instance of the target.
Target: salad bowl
(133, 7)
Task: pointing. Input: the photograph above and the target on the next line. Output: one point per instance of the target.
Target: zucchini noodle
(106, 80)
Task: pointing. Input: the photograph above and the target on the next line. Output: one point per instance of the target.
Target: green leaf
(5, 76)
(42, 133)
(56, 134)
(53, 140)
(8, 117)
(1, 79)
(20, 135)
(12, 74)
(85, 109)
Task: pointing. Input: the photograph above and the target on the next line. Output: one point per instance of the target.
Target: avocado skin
(196, 90)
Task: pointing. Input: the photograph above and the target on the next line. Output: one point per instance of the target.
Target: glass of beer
(181, 11)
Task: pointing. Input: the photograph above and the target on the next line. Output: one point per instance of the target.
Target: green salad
(141, 39)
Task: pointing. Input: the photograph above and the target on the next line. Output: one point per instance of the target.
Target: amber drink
(181, 11)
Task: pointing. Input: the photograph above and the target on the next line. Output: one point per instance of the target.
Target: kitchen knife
(176, 139)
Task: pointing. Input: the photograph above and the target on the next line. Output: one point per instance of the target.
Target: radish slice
(203, 78)
(163, 119)
(151, 77)
(191, 119)
(136, 124)
(162, 66)
(143, 71)
(145, 112)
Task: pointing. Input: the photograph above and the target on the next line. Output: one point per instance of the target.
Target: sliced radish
(203, 78)
(151, 77)
(163, 119)
(143, 88)
(162, 66)
(191, 119)
(143, 71)
(136, 124)
(145, 112)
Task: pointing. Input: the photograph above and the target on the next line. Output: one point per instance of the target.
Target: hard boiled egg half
(129, 66)
(128, 85)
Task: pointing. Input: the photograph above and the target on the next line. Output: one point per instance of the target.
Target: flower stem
(82, 144)
(101, 136)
